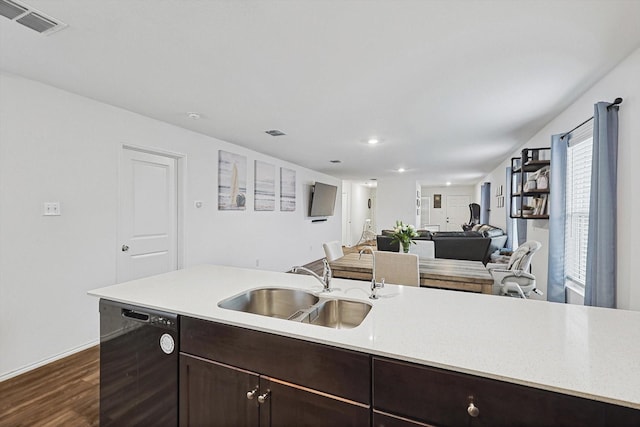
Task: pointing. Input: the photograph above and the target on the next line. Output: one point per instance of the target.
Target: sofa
(476, 244)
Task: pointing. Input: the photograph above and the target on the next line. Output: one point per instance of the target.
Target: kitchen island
(576, 351)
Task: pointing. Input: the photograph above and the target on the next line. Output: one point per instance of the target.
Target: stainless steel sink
(273, 302)
(338, 313)
(300, 306)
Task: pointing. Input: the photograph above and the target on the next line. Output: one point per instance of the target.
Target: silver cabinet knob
(473, 410)
(125, 248)
(263, 397)
(251, 394)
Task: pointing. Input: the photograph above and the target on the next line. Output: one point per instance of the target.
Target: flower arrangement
(403, 234)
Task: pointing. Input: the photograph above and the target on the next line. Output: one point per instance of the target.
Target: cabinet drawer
(328, 369)
(442, 397)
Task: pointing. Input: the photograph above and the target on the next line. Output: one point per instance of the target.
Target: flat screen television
(323, 199)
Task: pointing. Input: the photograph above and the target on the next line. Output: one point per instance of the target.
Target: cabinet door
(292, 405)
(213, 394)
(380, 419)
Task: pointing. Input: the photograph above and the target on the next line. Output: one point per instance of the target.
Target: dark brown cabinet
(381, 419)
(444, 398)
(212, 394)
(234, 376)
(292, 405)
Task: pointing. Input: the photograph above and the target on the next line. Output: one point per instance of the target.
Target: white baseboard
(36, 365)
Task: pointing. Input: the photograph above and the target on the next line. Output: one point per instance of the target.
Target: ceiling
(450, 88)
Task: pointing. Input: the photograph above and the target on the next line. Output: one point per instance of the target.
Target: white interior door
(148, 223)
(457, 212)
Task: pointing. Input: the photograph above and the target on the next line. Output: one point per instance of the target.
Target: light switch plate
(51, 209)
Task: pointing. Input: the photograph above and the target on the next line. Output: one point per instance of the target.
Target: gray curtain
(557, 215)
(507, 209)
(485, 202)
(516, 228)
(600, 286)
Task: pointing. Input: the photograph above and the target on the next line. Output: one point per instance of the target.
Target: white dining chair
(397, 268)
(423, 248)
(332, 250)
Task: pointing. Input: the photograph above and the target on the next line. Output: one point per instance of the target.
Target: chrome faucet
(374, 285)
(326, 275)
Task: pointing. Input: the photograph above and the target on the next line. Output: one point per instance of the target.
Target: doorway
(148, 214)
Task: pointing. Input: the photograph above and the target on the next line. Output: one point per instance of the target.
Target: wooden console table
(470, 276)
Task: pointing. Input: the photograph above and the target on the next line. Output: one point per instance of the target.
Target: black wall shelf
(530, 184)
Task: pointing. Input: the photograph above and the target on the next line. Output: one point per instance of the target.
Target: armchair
(515, 280)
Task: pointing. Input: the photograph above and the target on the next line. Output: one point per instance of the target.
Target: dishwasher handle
(135, 315)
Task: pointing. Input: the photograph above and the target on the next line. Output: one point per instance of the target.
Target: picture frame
(264, 186)
(287, 190)
(232, 181)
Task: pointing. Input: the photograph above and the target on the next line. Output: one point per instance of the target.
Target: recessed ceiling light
(448, 183)
(373, 141)
(193, 116)
(335, 161)
(401, 170)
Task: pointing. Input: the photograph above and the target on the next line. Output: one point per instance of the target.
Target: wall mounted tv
(323, 200)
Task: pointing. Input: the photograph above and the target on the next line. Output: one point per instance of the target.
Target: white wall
(439, 216)
(622, 81)
(57, 146)
(395, 200)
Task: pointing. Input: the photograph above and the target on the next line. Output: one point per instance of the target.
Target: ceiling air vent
(29, 17)
(11, 10)
(275, 132)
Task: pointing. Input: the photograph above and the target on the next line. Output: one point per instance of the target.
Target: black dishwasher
(138, 366)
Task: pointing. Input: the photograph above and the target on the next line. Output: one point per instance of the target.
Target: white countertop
(582, 351)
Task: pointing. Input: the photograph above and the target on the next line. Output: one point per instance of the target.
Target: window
(577, 204)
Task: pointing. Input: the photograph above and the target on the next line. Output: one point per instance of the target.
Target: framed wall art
(264, 187)
(232, 181)
(287, 190)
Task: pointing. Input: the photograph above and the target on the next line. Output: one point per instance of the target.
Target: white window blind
(579, 160)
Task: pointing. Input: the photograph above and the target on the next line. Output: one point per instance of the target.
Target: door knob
(472, 409)
(125, 248)
(263, 397)
(251, 394)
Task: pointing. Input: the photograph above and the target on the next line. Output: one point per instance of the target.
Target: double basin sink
(299, 306)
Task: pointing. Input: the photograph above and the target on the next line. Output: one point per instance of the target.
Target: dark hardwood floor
(61, 393)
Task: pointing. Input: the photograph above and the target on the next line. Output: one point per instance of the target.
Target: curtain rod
(617, 101)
